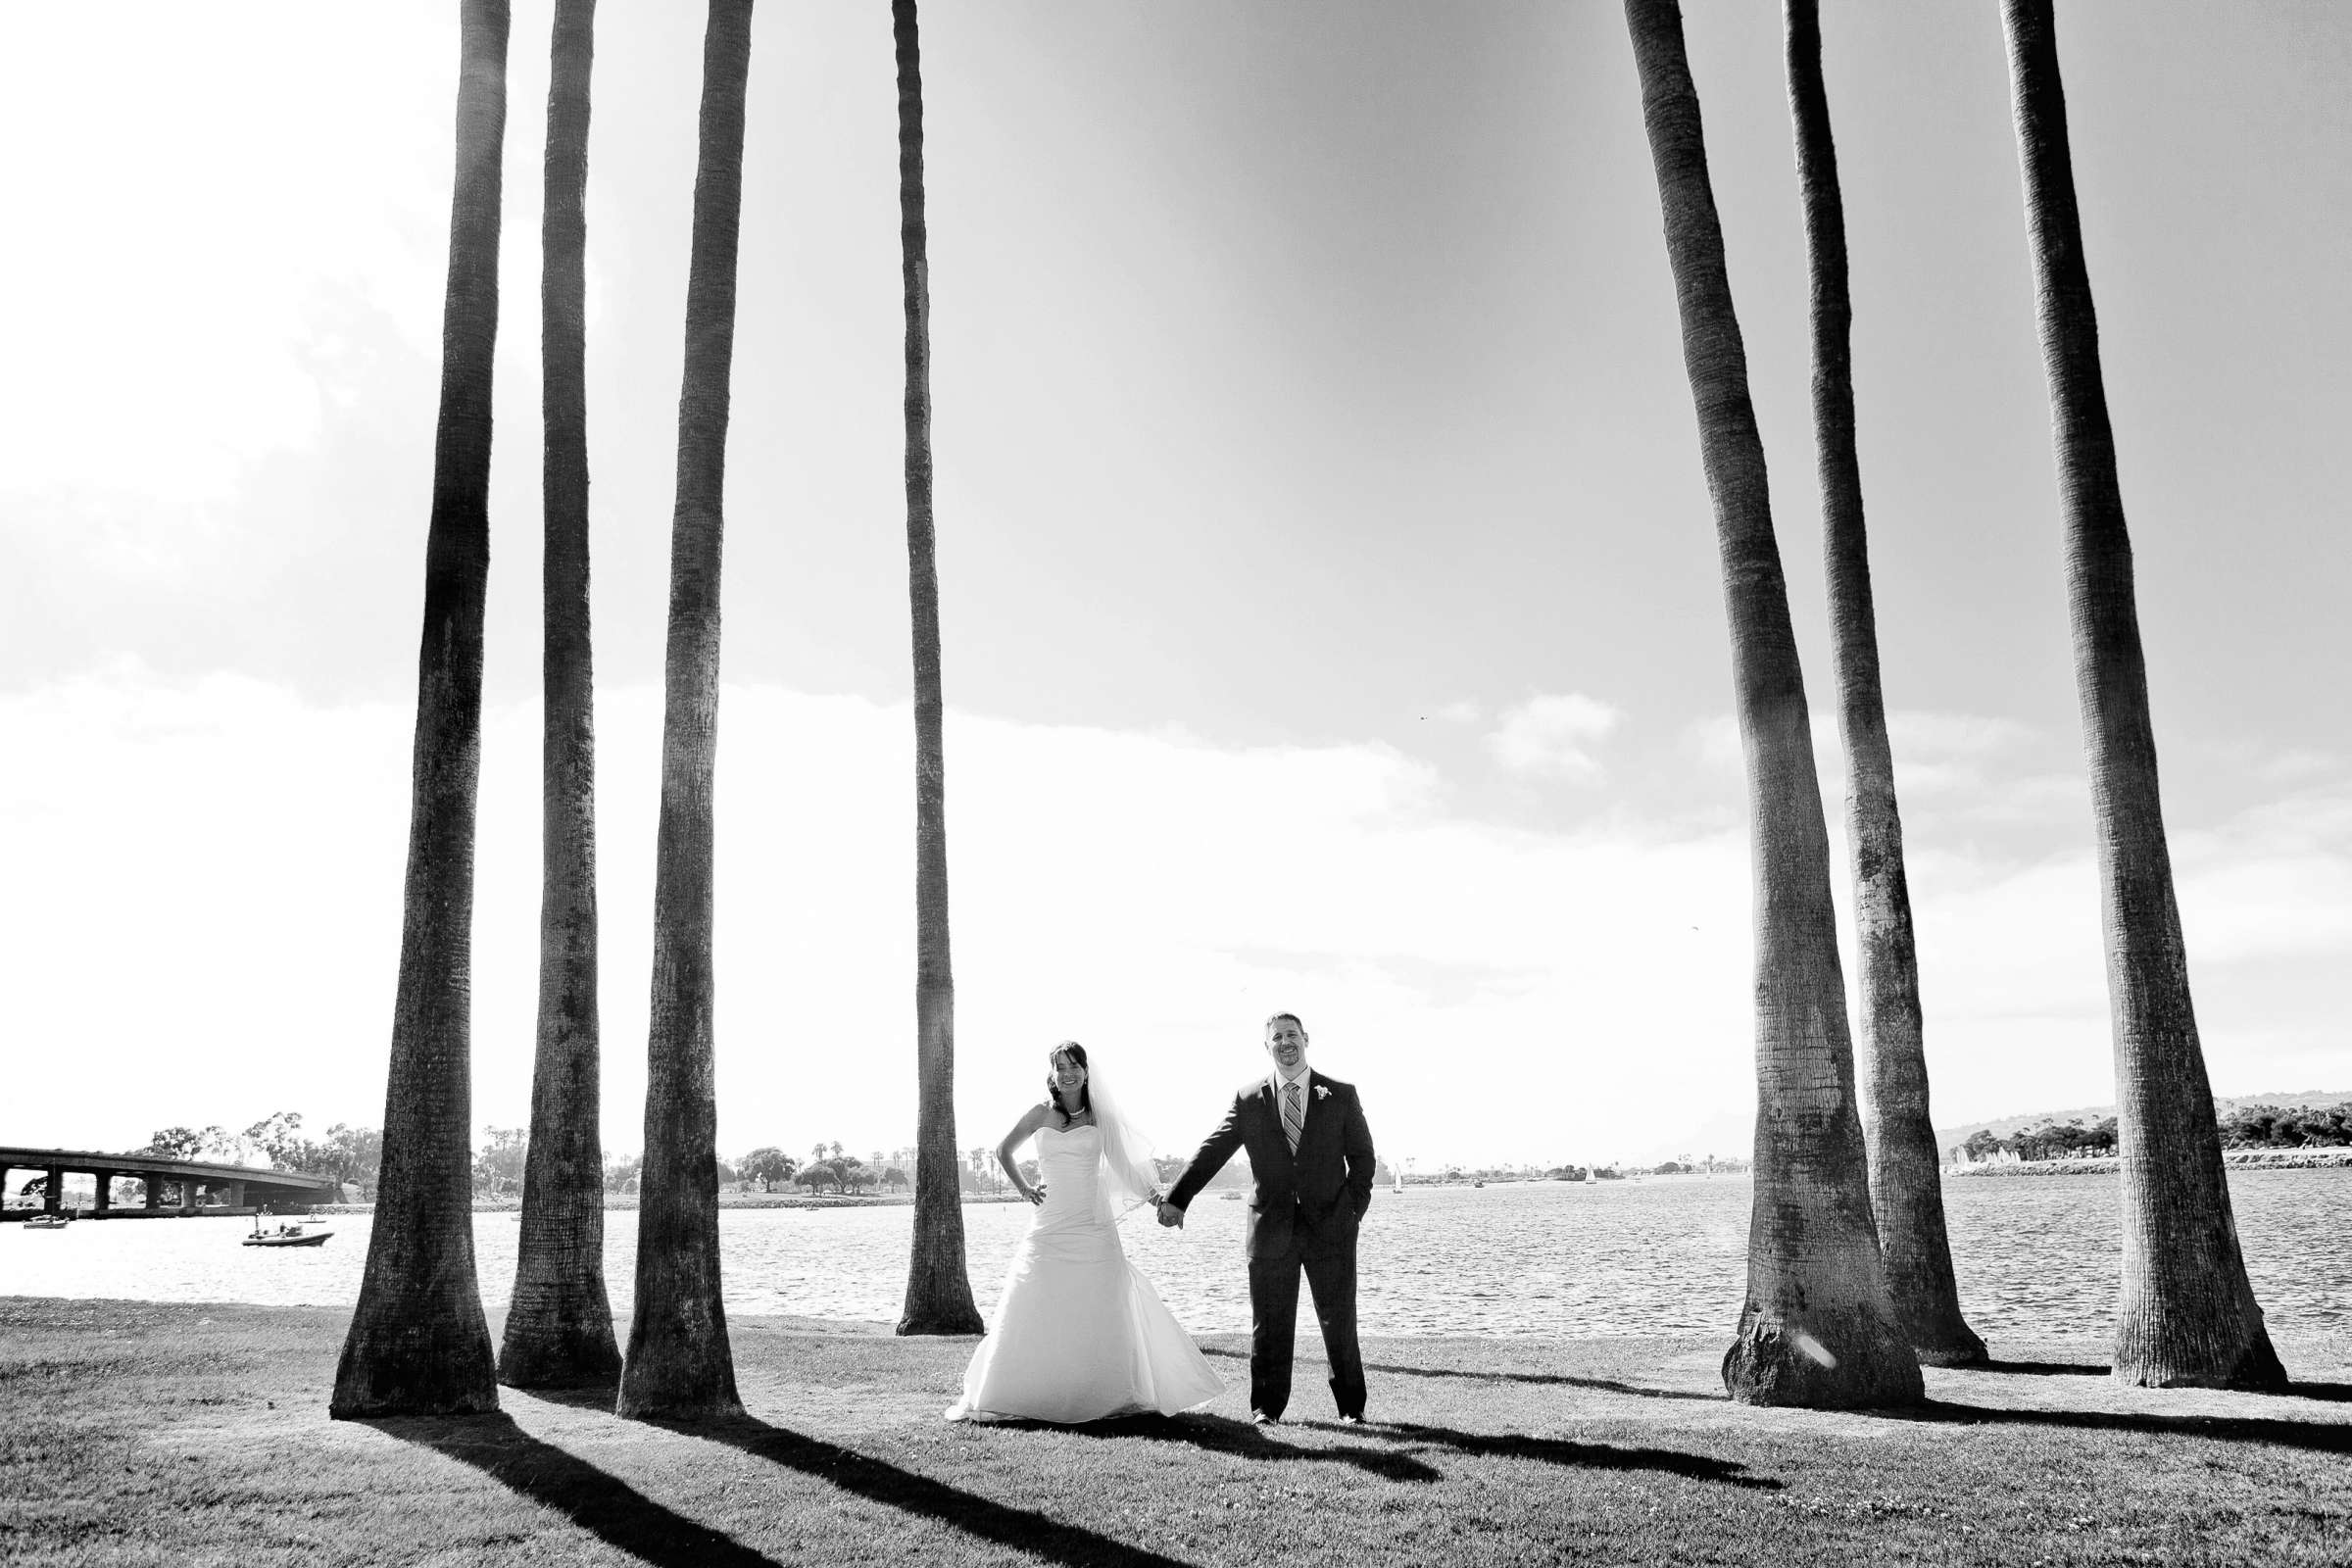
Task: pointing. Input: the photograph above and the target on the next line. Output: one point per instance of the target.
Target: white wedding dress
(1080, 1332)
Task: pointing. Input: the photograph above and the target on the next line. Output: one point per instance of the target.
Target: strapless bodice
(1066, 1151)
(1069, 1160)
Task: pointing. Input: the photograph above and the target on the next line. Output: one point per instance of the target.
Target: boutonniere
(1322, 1090)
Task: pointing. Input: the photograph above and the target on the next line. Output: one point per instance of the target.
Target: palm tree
(939, 1293)
(679, 1365)
(560, 1325)
(1907, 1185)
(2188, 1317)
(1817, 1328)
(419, 1344)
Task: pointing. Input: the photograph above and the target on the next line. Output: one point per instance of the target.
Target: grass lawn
(132, 1433)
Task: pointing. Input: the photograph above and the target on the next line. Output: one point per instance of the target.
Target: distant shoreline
(2106, 1164)
(627, 1202)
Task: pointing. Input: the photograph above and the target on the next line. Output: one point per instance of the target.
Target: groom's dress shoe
(1352, 1420)
(1260, 1418)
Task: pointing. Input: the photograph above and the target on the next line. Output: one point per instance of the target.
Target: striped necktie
(1293, 1114)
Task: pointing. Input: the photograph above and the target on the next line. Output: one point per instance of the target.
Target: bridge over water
(194, 1186)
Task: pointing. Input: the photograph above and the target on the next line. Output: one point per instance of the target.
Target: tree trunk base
(679, 1376)
(558, 1332)
(646, 1397)
(416, 1370)
(699, 1411)
(943, 1323)
(2252, 1365)
(1971, 1352)
(1928, 1311)
(574, 1353)
(1944, 1340)
(1846, 1361)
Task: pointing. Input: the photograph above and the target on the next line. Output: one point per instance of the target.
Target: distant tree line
(2072, 1138)
(2288, 1126)
(353, 1155)
(2240, 1126)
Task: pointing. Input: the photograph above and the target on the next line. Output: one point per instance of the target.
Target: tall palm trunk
(2188, 1317)
(559, 1326)
(419, 1344)
(679, 1365)
(1817, 1328)
(939, 1293)
(1907, 1185)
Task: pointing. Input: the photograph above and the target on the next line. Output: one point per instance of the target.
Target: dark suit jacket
(1311, 1200)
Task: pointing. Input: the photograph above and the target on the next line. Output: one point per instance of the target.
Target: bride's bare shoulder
(1038, 1115)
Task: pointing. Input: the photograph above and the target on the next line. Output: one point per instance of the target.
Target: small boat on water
(285, 1234)
(46, 1222)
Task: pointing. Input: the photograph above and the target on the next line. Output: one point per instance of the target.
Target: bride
(1080, 1332)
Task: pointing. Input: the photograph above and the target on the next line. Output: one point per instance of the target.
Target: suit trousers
(1274, 1321)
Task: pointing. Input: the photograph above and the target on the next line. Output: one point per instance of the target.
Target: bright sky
(1332, 619)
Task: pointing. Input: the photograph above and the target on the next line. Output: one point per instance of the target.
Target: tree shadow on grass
(2326, 1392)
(2041, 1369)
(1225, 1434)
(1241, 1440)
(1606, 1386)
(1024, 1529)
(1546, 1379)
(1585, 1455)
(2318, 1437)
(1553, 1379)
(605, 1507)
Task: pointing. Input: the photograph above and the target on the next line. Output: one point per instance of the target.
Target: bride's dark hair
(1077, 1053)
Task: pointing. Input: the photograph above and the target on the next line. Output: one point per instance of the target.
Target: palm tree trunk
(939, 1293)
(419, 1344)
(2188, 1317)
(1906, 1183)
(560, 1325)
(1817, 1328)
(679, 1365)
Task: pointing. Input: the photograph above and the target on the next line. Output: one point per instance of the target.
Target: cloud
(209, 898)
(1553, 735)
(2299, 765)
(206, 910)
(1715, 742)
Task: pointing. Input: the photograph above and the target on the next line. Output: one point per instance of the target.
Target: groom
(1310, 1158)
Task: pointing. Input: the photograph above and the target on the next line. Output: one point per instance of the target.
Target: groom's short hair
(1277, 1017)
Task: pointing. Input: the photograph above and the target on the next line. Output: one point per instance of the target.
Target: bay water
(2036, 1255)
